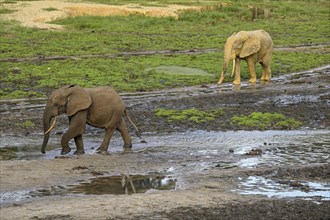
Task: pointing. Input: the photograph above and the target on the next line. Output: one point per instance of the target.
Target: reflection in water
(7, 153)
(115, 185)
(24, 152)
(98, 186)
(237, 88)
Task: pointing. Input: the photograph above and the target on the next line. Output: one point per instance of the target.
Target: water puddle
(105, 185)
(258, 185)
(179, 70)
(285, 100)
(119, 185)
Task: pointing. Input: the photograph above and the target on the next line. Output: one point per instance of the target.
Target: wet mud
(213, 170)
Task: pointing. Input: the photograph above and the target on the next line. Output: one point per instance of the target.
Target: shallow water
(119, 185)
(258, 185)
(179, 70)
(191, 152)
(278, 147)
(114, 185)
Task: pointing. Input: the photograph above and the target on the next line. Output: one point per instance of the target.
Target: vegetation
(5, 11)
(50, 9)
(26, 124)
(188, 115)
(290, 23)
(263, 121)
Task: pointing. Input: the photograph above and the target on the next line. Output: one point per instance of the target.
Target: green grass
(26, 124)
(153, 3)
(290, 23)
(50, 9)
(132, 74)
(263, 121)
(188, 115)
(5, 11)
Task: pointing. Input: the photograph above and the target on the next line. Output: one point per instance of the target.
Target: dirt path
(37, 14)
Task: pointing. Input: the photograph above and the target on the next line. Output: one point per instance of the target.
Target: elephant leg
(252, 71)
(76, 128)
(124, 134)
(80, 146)
(237, 80)
(266, 72)
(107, 137)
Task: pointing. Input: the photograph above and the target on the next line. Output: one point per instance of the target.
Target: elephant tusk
(51, 127)
(232, 73)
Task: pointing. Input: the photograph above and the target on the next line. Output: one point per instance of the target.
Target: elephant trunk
(47, 128)
(44, 144)
(224, 70)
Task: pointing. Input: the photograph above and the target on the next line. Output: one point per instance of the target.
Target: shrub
(262, 121)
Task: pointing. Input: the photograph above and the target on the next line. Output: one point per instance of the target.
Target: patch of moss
(189, 115)
(26, 124)
(263, 121)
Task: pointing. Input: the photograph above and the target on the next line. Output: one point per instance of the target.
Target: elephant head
(69, 100)
(239, 45)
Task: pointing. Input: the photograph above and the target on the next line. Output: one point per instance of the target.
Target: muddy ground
(207, 175)
(183, 170)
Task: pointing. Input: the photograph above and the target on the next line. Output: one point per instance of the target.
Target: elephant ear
(79, 99)
(250, 46)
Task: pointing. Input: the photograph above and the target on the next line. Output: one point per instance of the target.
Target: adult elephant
(100, 107)
(252, 46)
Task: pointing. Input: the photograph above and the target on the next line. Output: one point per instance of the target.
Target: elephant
(252, 46)
(99, 107)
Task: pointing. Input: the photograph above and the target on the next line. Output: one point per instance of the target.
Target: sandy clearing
(33, 14)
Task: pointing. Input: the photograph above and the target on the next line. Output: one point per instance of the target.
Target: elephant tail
(137, 132)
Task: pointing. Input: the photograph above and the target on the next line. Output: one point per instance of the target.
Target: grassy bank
(290, 23)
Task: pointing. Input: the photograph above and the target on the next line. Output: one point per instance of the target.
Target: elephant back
(105, 104)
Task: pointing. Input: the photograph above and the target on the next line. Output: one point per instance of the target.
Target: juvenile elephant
(252, 46)
(100, 107)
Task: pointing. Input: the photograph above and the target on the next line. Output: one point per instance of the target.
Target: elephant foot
(265, 79)
(65, 151)
(253, 81)
(127, 146)
(102, 149)
(236, 82)
(79, 152)
(102, 152)
(127, 150)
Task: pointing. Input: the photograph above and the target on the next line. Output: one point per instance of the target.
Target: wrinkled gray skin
(251, 46)
(100, 107)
